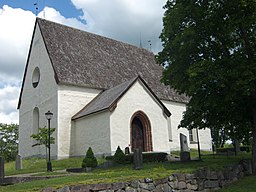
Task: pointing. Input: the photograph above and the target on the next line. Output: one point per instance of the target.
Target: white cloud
(15, 36)
(16, 28)
(125, 20)
(54, 15)
(8, 104)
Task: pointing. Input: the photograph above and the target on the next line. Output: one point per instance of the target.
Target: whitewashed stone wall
(138, 98)
(71, 99)
(91, 131)
(205, 140)
(44, 96)
(177, 110)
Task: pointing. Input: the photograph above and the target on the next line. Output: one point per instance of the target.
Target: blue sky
(65, 7)
(123, 20)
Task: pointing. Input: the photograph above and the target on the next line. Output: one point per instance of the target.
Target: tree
(9, 141)
(42, 138)
(209, 54)
(89, 160)
(119, 156)
(219, 137)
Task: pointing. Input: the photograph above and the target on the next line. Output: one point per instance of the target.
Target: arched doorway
(141, 136)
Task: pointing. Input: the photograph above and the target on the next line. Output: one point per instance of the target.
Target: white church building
(103, 94)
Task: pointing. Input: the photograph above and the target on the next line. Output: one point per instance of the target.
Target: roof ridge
(95, 34)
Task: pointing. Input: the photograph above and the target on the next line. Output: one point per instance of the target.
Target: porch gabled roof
(107, 100)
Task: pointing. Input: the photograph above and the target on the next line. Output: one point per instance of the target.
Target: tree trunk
(254, 142)
(236, 144)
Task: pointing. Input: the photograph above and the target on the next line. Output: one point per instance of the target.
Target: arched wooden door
(141, 132)
(137, 134)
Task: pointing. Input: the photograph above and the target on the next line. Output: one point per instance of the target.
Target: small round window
(35, 77)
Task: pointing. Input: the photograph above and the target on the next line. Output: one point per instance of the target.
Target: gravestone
(137, 159)
(126, 151)
(184, 150)
(18, 162)
(1, 168)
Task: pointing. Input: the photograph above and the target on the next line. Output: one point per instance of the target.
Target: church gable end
(38, 95)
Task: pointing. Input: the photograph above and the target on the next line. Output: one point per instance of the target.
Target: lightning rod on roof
(44, 9)
(150, 45)
(36, 7)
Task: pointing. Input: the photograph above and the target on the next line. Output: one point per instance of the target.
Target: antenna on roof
(36, 6)
(43, 9)
(150, 45)
(140, 41)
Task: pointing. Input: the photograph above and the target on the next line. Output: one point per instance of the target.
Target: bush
(119, 156)
(147, 157)
(109, 158)
(154, 157)
(231, 149)
(245, 148)
(89, 160)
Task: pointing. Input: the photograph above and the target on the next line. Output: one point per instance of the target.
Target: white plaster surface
(44, 96)
(91, 131)
(177, 110)
(138, 98)
(71, 99)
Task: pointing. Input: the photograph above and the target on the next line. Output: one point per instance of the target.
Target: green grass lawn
(247, 184)
(116, 174)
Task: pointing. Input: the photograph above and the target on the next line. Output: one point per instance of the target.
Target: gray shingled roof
(108, 99)
(86, 59)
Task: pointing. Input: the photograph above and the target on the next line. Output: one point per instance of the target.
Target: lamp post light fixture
(48, 116)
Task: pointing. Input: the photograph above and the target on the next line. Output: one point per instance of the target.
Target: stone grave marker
(184, 150)
(126, 151)
(137, 159)
(1, 168)
(18, 162)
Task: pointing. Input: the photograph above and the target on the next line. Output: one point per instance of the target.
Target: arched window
(35, 77)
(35, 120)
(141, 136)
(169, 125)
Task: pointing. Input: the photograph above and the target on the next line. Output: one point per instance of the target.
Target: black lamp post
(48, 116)
(198, 145)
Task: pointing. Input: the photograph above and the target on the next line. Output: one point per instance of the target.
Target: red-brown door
(137, 134)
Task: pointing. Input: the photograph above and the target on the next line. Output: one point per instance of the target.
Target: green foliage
(209, 54)
(119, 156)
(42, 137)
(89, 160)
(232, 149)
(9, 141)
(219, 137)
